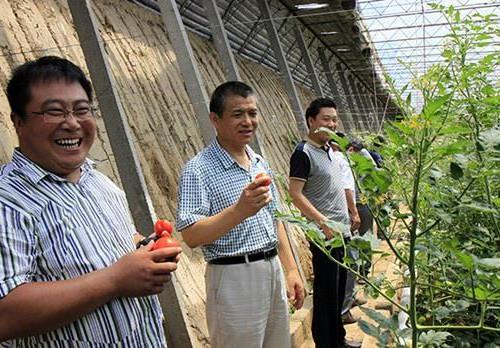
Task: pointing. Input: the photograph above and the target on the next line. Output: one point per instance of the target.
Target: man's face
(238, 122)
(327, 117)
(60, 148)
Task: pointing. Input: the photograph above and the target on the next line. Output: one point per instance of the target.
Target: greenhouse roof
(411, 32)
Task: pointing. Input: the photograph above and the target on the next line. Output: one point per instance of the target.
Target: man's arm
(253, 198)
(295, 287)
(38, 307)
(306, 207)
(353, 211)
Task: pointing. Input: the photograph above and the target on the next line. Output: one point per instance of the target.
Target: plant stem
(368, 282)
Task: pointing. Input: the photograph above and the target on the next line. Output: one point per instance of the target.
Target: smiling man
(69, 272)
(318, 190)
(226, 210)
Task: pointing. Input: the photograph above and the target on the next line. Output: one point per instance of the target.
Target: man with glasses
(69, 272)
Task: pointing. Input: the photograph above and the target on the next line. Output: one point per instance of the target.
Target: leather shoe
(351, 344)
(348, 318)
(359, 301)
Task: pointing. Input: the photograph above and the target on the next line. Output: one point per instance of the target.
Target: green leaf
(441, 312)
(480, 207)
(434, 338)
(494, 100)
(493, 263)
(384, 323)
(434, 105)
(368, 328)
(465, 259)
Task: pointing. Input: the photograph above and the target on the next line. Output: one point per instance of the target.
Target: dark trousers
(365, 226)
(328, 296)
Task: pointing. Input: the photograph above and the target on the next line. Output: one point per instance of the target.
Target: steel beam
(355, 93)
(293, 97)
(325, 64)
(187, 64)
(342, 107)
(345, 87)
(129, 168)
(299, 37)
(225, 52)
(221, 41)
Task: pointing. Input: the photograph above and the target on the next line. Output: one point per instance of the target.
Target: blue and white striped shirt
(211, 182)
(51, 230)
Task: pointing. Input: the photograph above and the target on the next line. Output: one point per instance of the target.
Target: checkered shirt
(211, 182)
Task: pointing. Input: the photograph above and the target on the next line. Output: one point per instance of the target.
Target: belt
(232, 260)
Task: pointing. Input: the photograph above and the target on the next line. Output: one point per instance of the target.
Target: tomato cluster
(164, 239)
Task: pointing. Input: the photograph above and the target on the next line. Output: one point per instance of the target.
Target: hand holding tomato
(254, 196)
(142, 272)
(266, 177)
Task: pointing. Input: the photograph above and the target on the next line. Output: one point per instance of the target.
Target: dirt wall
(164, 129)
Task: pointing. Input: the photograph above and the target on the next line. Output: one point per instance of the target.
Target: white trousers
(247, 305)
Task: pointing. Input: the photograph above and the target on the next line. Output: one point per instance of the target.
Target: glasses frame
(51, 119)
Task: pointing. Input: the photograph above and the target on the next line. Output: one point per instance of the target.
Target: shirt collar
(315, 144)
(35, 173)
(226, 158)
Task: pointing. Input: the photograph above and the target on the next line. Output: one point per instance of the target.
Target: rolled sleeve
(17, 250)
(193, 202)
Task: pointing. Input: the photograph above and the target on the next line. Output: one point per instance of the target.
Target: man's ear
(214, 119)
(16, 120)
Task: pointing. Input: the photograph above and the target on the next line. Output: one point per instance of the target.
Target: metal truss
(411, 31)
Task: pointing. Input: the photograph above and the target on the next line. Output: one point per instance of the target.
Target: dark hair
(315, 106)
(226, 89)
(45, 69)
(356, 144)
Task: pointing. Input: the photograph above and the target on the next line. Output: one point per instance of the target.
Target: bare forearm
(212, 228)
(306, 208)
(35, 308)
(285, 250)
(351, 204)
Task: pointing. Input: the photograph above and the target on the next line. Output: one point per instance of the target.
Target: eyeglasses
(57, 115)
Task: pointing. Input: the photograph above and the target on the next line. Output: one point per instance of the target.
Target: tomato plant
(436, 201)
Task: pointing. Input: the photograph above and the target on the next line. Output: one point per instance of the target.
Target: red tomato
(267, 180)
(162, 226)
(166, 242)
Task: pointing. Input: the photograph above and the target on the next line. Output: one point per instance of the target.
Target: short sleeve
(18, 252)
(300, 165)
(192, 198)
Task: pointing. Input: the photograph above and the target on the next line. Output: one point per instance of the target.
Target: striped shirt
(324, 182)
(52, 229)
(211, 182)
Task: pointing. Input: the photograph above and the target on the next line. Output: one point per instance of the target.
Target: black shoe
(359, 301)
(348, 318)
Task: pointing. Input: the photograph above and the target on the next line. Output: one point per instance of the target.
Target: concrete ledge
(300, 323)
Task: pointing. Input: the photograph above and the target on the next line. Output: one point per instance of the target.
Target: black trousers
(328, 296)
(366, 225)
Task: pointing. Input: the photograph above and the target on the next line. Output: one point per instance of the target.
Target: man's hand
(355, 221)
(295, 289)
(253, 198)
(329, 233)
(143, 272)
